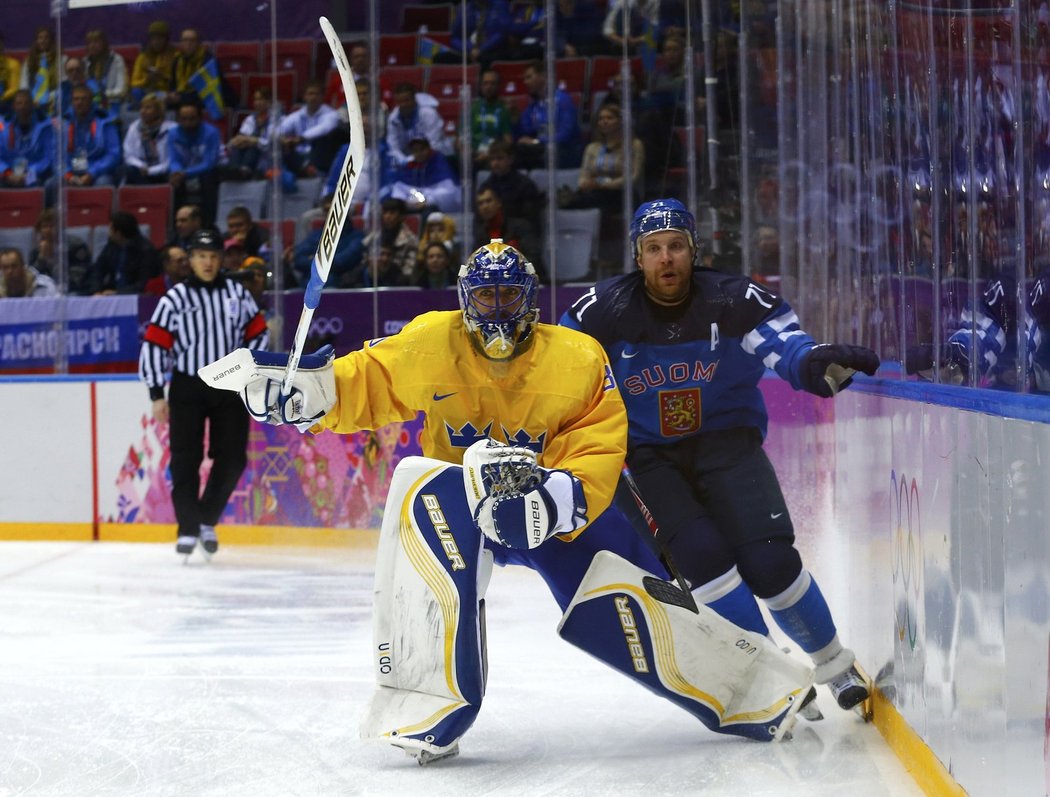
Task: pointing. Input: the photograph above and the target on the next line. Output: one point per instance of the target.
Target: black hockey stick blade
(672, 594)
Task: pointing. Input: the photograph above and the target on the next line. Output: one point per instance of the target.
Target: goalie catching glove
(516, 502)
(312, 394)
(828, 368)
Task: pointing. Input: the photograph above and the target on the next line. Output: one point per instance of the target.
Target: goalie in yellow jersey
(523, 443)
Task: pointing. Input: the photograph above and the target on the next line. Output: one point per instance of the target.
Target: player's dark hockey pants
(191, 403)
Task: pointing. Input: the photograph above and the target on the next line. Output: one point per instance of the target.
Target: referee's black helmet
(206, 239)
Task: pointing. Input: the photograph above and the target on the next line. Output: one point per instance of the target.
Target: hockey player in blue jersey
(688, 347)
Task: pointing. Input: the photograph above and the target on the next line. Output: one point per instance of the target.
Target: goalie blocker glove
(828, 368)
(516, 502)
(312, 394)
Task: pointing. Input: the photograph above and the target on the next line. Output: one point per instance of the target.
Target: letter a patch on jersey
(679, 411)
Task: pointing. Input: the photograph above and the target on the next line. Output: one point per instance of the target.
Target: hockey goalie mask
(498, 293)
(659, 215)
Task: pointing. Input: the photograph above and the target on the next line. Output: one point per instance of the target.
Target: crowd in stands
(169, 117)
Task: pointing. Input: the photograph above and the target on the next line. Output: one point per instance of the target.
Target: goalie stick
(661, 590)
(337, 215)
(234, 371)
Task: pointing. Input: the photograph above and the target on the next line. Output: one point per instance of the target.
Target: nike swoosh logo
(775, 515)
(442, 397)
(627, 355)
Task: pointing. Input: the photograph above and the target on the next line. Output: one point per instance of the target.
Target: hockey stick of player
(340, 210)
(659, 589)
(233, 371)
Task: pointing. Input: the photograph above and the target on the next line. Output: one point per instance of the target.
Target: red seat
(605, 68)
(393, 75)
(449, 111)
(238, 57)
(397, 49)
(20, 207)
(512, 75)
(436, 17)
(129, 52)
(89, 207)
(293, 55)
(286, 89)
(150, 204)
(571, 74)
(287, 230)
(444, 80)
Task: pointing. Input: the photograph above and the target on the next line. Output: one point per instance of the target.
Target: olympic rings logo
(907, 559)
(327, 326)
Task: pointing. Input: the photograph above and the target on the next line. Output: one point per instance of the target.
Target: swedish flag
(428, 49)
(206, 82)
(647, 49)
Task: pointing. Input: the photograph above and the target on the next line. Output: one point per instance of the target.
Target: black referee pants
(191, 403)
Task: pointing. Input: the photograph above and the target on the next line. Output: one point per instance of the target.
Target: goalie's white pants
(431, 574)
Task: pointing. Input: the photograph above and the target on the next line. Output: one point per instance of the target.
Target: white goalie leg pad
(735, 681)
(428, 629)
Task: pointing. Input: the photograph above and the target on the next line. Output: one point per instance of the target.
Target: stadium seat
(20, 238)
(20, 207)
(293, 55)
(393, 75)
(286, 88)
(287, 226)
(83, 232)
(151, 205)
(511, 73)
(397, 49)
(250, 193)
(577, 232)
(443, 80)
(604, 70)
(308, 190)
(129, 52)
(433, 17)
(571, 74)
(238, 57)
(91, 206)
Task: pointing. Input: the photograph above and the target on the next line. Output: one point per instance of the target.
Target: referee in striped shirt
(197, 322)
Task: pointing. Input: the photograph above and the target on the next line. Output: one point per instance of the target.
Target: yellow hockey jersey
(558, 398)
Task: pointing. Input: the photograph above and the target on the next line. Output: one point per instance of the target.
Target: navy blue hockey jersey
(696, 366)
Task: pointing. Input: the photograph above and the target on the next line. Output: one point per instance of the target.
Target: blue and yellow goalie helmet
(498, 291)
(659, 215)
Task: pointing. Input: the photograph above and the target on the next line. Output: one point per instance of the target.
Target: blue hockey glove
(516, 502)
(828, 368)
(312, 393)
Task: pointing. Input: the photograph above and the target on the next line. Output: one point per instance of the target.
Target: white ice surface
(123, 672)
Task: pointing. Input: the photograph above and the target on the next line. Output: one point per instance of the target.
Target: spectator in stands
(666, 83)
(426, 180)
(488, 26)
(516, 189)
(127, 261)
(42, 256)
(187, 221)
(233, 256)
(249, 152)
(152, 71)
(532, 126)
(491, 221)
(76, 75)
(577, 30)
(106, 72)
(17, 280)
(175, 267)
(147, 152)
(91, 143)
(602, 177)
(436, 269)
(375, 157)
(346, 263)
(641, 13)
(40, 70)
(190, 56)
(27, 145)
(490, 120)
(394, 233)
(240, 227)
(438, 229)
(10, 73)
(195, 147)
(527, 29)
(309, 135)
(382, 270)
(415, 116)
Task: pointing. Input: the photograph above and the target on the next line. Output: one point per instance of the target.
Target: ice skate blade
(425, 757)
(809, 710)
